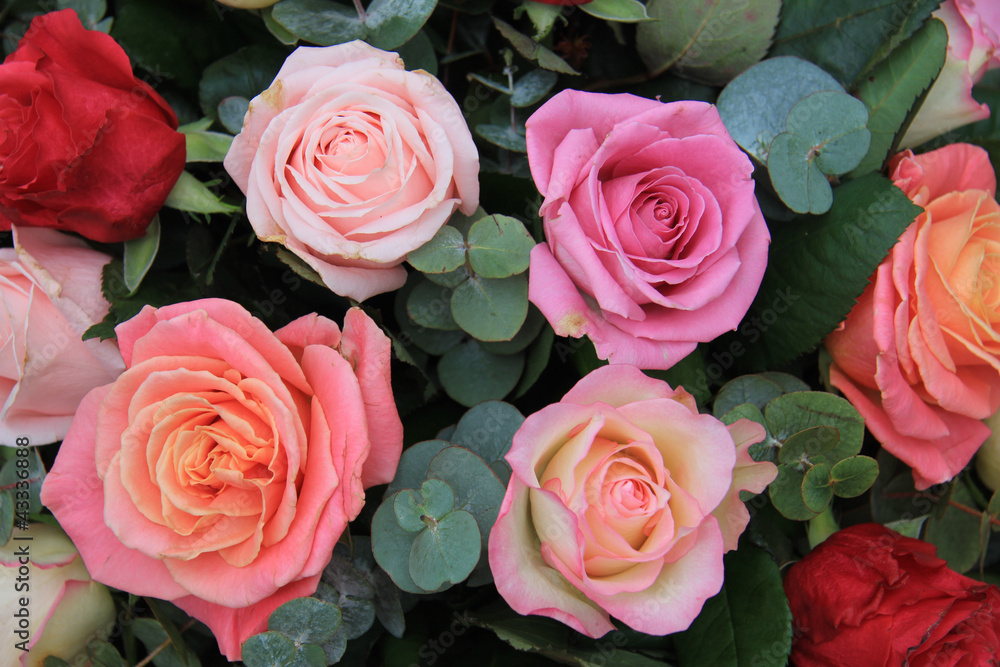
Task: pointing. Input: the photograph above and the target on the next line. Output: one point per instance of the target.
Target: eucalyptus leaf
(621, 11)
(786, 494)
(793, 413)
(710, 41)
(471, 375)
(443, 253)
(533, 86)
(491, 309)
(755, 105)
(445, 552)
(854, 475)
(753, 389)
(499, 246)
(321, 22)
(532, 50)
(429, 305)
(244, 74)
(232, 112)
(503, 136)
(305, 620)
(817, 491)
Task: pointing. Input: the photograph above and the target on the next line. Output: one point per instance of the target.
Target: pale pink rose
(655, 241)
(622, 501)
(351, 162)
(973, 49)
(50, 284)
(64, 610)
(919, 354)
(222, 466)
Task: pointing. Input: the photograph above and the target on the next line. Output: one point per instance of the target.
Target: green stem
(821, 527)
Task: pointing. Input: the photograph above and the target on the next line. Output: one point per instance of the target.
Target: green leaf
(854, 475)
(816, 487)
(543, 17)
(622, 11)
(503, 136)
(391, 23)
(90, 11)
(532, 50)
(845, 38)
(443, 253)
(499, 246)
(105, 655)
(418, 53)
(786, 494)
(34, 474)
(755, 105)
(321, 22)
(691, 373)
(471, 375)
(232, 112)
(753, 389)
(409, 511)
(491, 309)
(817, 269)
(488, 430)
(894, 87)
(446, 552)
(207, 146)
(792, 413)
(536, 361)
(748, 624)
(52, 661)
(533, 86)
(151, 633)
(350, 590)
(190, 194)
(243, 74)
(744, 411)
(956, 532)
(808, 443)
(305, 620)
(279, 31)
(429, 305)
(139, 255)
(789, 383)
(709, 41)
(431, 341)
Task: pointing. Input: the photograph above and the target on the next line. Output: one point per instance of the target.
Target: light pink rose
(65, 609)
(351, 162)
(655, 241)
(50, 284)
(222, 466)
(919, 354)
(973, 49)
(622, 501)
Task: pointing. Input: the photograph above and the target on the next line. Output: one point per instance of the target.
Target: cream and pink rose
(219, 470)
(65, 609)
(351, 162)
(919, 355)
(622, 501)
(50, 284)
(654, 239)
(973, 49)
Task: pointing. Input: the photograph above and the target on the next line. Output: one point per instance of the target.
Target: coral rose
(351, 162)
(222, 466)
(655, 241)
(622, 501)
(50, 284)
(973, 49)
(869, 597)
(918, 354)
(86, 146)
(50, 604)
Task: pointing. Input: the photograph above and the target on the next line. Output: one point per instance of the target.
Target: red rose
(84, 145)
(870, 597)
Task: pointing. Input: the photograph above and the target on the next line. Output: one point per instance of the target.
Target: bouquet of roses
(598, 332)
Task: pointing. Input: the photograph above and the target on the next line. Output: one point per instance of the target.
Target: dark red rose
(869, 597)
(84, 145)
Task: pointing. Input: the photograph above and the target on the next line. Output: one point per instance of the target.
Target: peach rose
(973, 49)
(622, 501)
(50, 284)
(51, 606)
(350, 162)
(222, 466)
(918, 354)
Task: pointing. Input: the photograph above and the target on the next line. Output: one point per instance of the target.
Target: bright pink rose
(973, 49)
(655, 238)
(622, 501)
(351, 162)
(220, 469)
(50, 284)
(919, 355)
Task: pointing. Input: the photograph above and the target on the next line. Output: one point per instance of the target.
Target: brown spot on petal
(274, 96)
(572, 325)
